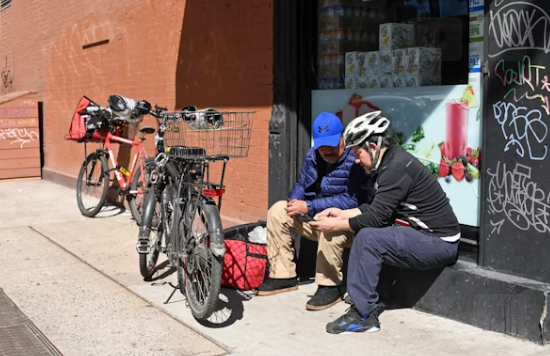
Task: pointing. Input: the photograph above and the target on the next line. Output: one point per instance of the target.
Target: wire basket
(210, 133)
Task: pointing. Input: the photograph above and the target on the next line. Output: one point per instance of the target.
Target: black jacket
(405, 189)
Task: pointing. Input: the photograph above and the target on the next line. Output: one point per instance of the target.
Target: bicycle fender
(215, 230)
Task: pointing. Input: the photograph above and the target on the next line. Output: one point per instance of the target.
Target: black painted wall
(516, 177)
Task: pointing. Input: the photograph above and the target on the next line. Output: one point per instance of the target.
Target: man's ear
(373, 146)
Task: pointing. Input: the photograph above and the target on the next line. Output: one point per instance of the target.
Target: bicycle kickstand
(173, 292)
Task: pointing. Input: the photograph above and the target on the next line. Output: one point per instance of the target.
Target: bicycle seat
(147, 130)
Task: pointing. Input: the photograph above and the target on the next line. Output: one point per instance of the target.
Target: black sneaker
(380, 306)
(353, 322)
(324, 298)
(277, 285)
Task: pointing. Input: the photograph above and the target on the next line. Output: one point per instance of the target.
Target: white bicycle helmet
(360, 129)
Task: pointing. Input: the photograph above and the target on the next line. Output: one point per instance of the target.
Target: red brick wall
(171, 52)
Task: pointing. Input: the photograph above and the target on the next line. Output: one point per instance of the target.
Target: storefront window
(410, 59)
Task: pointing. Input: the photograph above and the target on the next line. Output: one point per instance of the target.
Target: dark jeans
(398, 246)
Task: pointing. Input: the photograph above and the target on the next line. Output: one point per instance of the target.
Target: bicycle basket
(209, 133)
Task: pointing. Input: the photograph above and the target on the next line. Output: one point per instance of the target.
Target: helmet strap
(374, 156)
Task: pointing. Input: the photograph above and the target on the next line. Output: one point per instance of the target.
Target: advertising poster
(440, 125)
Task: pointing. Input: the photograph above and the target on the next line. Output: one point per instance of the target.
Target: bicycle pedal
(143, 246)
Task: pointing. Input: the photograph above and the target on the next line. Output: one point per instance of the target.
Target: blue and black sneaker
(354, 322)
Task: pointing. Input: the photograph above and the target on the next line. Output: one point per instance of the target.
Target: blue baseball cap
(327, 130)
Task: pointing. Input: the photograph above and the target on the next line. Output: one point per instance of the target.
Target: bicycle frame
(141, 154)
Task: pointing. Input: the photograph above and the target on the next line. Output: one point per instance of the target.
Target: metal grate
(4, 4)
(18, 335)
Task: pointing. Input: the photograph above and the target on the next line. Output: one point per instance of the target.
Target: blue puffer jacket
(346, 187)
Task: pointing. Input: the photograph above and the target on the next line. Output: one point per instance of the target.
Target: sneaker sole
(273, 292)
(322, 307)
(372, 329)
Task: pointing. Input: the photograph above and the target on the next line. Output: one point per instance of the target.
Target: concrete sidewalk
(89, 254)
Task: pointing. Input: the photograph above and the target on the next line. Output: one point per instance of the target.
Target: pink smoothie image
(457, 129)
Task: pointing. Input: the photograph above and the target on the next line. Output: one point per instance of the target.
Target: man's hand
(338, 213)
(296, 206)
(329, 213)
(326, 224)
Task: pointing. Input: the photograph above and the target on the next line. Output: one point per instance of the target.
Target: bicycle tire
(104, 176)
(148, 166)
(148, 262)
(202, 310)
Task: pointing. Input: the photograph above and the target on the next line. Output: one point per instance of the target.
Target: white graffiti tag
(514, 25)
(522, 128)
(514, 194)
(21, 136)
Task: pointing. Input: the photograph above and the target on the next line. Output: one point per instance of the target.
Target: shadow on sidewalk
(229, 309)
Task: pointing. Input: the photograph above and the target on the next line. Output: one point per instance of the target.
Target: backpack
(85, 127)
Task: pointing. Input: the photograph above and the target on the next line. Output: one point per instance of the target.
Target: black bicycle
(181, 217)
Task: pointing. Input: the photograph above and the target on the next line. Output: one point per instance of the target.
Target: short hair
(387, 139)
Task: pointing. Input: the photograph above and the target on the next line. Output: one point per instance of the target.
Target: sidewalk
(60, 272)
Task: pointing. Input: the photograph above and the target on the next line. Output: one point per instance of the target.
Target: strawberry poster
(440, 125)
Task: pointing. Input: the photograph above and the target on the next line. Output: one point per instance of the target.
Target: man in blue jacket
(329, 179)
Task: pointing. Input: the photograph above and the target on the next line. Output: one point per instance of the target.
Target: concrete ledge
(486, 299)
(464, 292)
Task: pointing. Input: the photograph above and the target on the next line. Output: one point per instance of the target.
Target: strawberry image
(457, 170)
(444, 168)
(468, 152)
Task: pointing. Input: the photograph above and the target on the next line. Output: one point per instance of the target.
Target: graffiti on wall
(19, 136)
(513, 194)
(7, 79)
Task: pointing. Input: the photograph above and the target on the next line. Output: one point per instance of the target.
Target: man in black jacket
(426, 234)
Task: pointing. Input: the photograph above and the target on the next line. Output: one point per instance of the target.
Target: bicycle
(105, 126)
(182, 196)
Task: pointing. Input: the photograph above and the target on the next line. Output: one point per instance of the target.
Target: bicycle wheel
(135, 200)
(148, 262)
(200, 272)
(92, 176)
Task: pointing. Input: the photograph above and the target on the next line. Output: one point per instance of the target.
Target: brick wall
(172, 52)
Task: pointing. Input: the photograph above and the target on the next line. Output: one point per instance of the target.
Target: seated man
(328, 171)
(427, 232)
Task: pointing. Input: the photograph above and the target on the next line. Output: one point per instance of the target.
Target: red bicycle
(105, 125)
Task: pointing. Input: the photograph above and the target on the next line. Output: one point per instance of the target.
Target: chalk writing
(514, 194)
(527, 129)
(526, 73)
(14, 113)
(20, 135)
(514, 28)
(18, 122)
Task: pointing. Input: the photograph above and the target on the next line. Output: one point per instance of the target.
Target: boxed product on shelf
(423, 60)
(399, 60)
(385, 81)
(385, 61)
(350, 81)
(396, 36)
(368, 82)
(369, 66)
(352, 63)
(399, 81)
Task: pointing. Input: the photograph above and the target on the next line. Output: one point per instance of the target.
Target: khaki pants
(280, 252)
